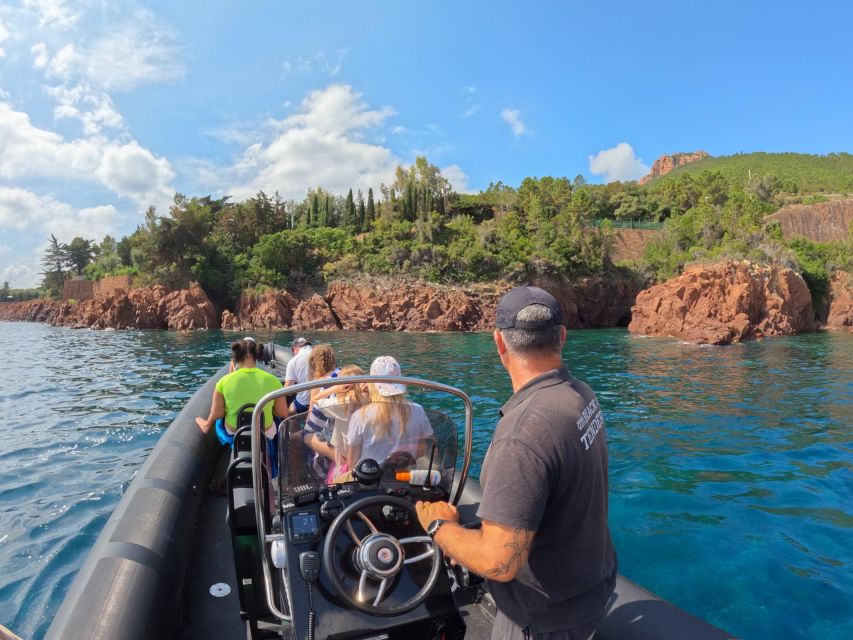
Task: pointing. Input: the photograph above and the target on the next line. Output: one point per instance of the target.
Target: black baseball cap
(519, 298)
(299, 342)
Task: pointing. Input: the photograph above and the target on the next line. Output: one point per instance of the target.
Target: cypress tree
(349, 211)
(329, 212)
(360, 214)
(410, 203)
(314, 213)
(370, 214)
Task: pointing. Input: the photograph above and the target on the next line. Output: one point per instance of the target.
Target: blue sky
(107, 106)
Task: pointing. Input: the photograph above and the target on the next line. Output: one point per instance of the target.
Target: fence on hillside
(628, 224)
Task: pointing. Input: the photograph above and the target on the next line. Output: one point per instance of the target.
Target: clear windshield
(323, 445)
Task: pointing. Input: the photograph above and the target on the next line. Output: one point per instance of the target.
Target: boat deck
(212, 618)
(633, 613)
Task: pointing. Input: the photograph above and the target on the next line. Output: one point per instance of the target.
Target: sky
(109, 106)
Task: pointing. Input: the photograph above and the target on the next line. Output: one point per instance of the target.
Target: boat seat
(241, 497)
(243, 435)
(242, 522)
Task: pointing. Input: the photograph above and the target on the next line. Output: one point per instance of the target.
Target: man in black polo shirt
(544, 544)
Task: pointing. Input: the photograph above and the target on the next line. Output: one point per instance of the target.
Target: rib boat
(301, 556)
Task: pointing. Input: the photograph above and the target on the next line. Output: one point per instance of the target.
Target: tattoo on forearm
(519, 547)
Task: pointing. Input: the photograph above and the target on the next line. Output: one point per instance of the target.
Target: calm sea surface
(731, 481)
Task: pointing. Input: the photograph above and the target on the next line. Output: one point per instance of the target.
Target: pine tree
(53, 261)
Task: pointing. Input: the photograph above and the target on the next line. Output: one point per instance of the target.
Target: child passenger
(321, 364)
(338, 402)
(389, 423)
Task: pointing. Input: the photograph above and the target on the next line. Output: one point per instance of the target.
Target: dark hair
(243, 349)
(526, 341)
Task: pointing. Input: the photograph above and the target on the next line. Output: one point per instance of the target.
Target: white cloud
(140, 50)
(470, 111)
(457, 178)
(94, 109)
(22, 209)
(513, 118)
(321, 144)
(124, 167)
(52, 13)
(4, 248)
(133, 171)
(63, 63)
(20, 276)
(40, 55)
(137, 53)
(31, 151)
(618, 163)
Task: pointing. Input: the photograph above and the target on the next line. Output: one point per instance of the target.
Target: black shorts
(506, 629)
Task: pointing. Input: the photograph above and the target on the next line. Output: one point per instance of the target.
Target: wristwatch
(433, 527)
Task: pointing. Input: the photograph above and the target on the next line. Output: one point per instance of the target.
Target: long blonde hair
(386, 408)
(321, 361)
(355, 394)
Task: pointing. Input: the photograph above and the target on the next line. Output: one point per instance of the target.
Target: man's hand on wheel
(429, 511)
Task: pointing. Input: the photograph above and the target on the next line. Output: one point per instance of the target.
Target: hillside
(832, 173)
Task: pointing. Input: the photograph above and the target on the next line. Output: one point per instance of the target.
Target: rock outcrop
(153, 307)
(399, 304)
(840, 314)
(666, 164)
(724, 303)
(821, 222)
(38, 310)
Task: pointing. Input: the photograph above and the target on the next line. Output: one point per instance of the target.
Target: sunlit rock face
(666, 164)
(840, 314)
(152, 307)
(404, 304)
(724, 303)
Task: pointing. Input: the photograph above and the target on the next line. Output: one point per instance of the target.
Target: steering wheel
(380, 557)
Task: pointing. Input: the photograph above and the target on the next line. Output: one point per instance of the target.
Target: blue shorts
(272, 445)
(298, 407)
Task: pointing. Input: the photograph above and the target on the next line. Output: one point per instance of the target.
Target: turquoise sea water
(731, 481)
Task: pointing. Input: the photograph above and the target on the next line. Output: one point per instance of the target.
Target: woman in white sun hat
(390, 423)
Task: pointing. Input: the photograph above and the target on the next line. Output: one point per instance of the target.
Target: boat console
(336, 551)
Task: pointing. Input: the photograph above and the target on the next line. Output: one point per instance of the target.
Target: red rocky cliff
(397, 304)
(666, 164)
(153, 307)
(724, 303)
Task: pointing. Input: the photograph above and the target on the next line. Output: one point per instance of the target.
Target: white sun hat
(387, 366)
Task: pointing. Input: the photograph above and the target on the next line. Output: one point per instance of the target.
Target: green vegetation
(799, 172)
(7, 294)
(418, 226)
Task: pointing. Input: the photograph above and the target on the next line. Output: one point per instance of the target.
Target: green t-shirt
(246, 386)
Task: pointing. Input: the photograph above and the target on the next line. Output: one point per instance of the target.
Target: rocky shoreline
(707, 304)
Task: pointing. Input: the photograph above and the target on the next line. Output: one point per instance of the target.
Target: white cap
(387, 366)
